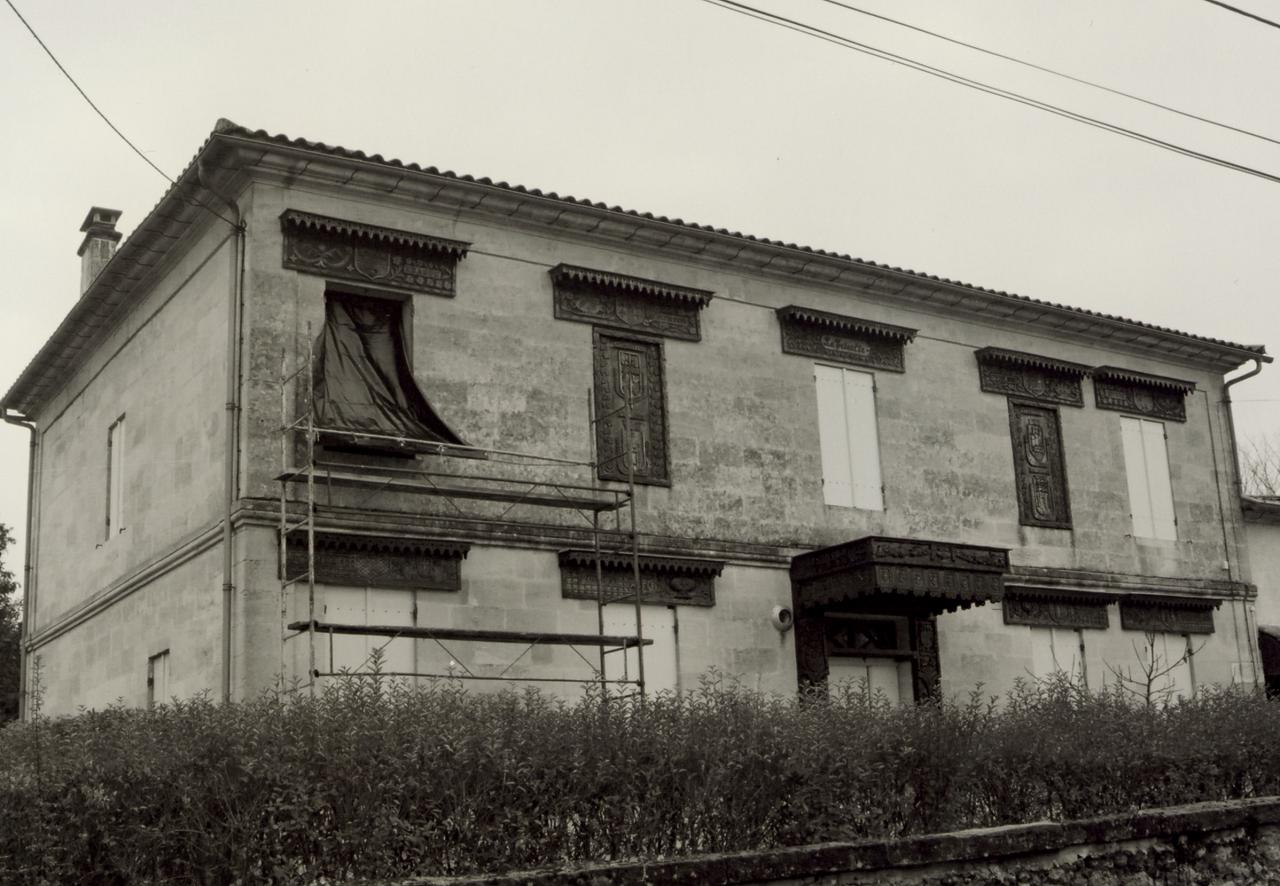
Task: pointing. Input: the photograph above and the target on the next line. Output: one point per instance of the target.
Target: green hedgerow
(374, 779)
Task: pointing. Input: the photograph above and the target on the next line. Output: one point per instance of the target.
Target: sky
(682, 108)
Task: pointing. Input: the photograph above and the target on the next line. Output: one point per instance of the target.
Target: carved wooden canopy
(1156, 396)
(636, 304)
(1173, 615)
(668, 581)
(380, 561)
(384, 257)
(940, 576)
(825, 336)
(1019, 374)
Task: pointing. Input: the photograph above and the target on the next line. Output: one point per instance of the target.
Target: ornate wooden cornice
(1156, 396)
(1031, 376)
(1056, 608)
(826, 336)
(603, 298)
(669, 581)
(382, 544)
(386, 257)
(379, 560)
(1173, 615)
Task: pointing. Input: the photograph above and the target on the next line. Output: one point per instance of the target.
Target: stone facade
(505, 347)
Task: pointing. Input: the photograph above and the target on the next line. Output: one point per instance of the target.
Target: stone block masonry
(1235, 842)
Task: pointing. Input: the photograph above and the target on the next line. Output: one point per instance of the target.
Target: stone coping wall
(1231, 842)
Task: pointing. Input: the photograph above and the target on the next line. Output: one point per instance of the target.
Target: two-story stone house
(842, 470)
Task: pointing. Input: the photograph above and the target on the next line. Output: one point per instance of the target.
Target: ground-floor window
(870, 650)
(1057, 651)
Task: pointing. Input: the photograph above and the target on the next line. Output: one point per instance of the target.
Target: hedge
(373, 779)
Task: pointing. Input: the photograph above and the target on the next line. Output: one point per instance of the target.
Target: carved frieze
(631, 303)
(1056, 610)
(898, 551)
(385, 257)
(630, 407)
(379, 561)
(666, 581)
(1039, 469)
(824, 336)
(1030, 376)
(1136, 392)
(927, 668)
(1173, 615)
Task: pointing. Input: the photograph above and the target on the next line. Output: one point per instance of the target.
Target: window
(1146, 464)
(870, 648)
(628, 383)
(1057, 650)
(1038, 467)
(157, 679)
(365, 389)
(849, 438)
(115, 479)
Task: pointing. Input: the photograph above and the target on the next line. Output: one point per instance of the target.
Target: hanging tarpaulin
(363, 382)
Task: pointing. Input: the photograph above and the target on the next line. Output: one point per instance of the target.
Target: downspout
(27, 569)
(232, 411)
(1237, 486)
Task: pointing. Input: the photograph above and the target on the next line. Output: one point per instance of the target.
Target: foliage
(372, 779)
(10, 635)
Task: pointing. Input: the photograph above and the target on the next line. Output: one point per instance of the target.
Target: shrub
(373, 779)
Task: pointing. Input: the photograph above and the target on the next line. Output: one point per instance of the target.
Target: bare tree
(1260, 466)
(1147, 683)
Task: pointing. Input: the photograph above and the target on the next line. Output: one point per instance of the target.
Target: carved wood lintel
(384, 257)
(823, 336)
(1167, 615)
(1056, 610)
(664, 581)
(380, 561)
(632, 303)
(1031, 376)
(1155, 396)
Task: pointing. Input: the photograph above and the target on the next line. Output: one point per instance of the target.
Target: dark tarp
(363, 381)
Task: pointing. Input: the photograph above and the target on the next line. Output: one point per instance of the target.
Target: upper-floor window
(1146, 464)
(115, 479)
(849, 438)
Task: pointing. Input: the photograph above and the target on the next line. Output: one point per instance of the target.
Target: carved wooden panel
(380, 561)
(900, 551)
(1039, 469)
(1030, 376)
(628, 376)
(1164, 615)
(811, 651)
(927, 668)
(663, 581)
(1140, 399)
(385, 257)
(631, 303)
(840, 339)
(1055, 611)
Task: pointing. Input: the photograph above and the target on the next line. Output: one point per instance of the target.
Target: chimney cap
(99, 224)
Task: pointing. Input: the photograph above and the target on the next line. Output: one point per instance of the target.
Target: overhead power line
(849, 43)
(72, 81)
(1237, 11)
(1047, 70)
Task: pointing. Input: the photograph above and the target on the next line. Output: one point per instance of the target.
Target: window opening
(115, 479)
(849, 438)
(1146, 463)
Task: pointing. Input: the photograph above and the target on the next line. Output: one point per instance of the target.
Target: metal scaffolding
(301, 471)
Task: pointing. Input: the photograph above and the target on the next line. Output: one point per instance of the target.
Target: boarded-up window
(115, 478)
(364, 382)
(1146, 464)
(628, 387)
(1038, 467)
(849, 438)
(1057, 651)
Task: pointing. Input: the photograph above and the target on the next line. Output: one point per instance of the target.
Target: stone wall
(1234, 842)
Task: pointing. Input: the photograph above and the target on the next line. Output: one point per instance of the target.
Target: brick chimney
(99, 244)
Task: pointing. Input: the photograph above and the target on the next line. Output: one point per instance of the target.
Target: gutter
(1237, 486)
(232, 424)
(27, 569)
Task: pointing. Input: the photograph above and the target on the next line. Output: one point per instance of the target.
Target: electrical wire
(107, 120)
(72, 81)
(1047, 70)
(848, 43)
(1237, 11)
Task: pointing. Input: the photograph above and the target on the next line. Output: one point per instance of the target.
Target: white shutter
(1135, 468)
(864, 447)
(833, 436)
(1158, 486)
